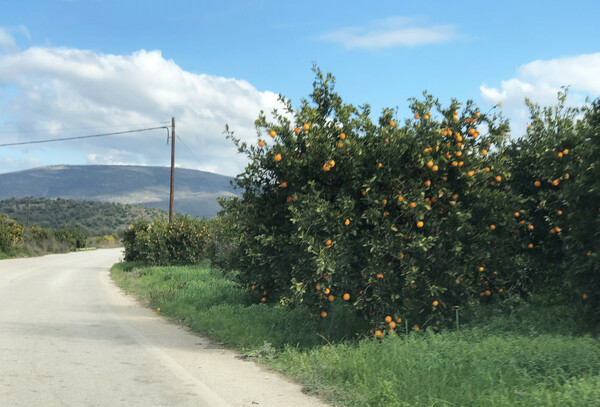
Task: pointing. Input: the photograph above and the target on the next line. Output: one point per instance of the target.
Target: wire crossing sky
(94, 64)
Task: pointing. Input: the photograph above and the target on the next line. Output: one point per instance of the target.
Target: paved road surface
(70, 337)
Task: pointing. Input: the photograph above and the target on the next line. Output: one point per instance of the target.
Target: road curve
(70, 337)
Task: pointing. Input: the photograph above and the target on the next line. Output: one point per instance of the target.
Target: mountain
(196, 191)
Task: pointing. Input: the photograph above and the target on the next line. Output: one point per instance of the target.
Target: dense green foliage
(408, 222)
(181, 241)
(17, 240)
(92, 218)
(510, 353)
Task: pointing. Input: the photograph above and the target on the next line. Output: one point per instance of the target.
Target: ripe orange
(484, 152)
(470, 173)
(331, 298)
(412, 204)
(429, 164)
(537, 183)
(263, 299)
(277, 157)
(392, 124)
(416, 327)
(435, 303)
(459, 138)
(158, 309)
(584, 296)
(318, 287)
(388, 319)
(517, 214)
(379, 165)
(498, 178)
(471, 132)
(458, 153)
(488, 292)
(560, 154)
(306, 126)
(261, 144)
(284, 184)
(392, 325)
(565, 151)
(420, 224)
(379, 334)
(328, 242)
(272, 133)
(559, 212)
(326, 167)
(347, 222)
(416, 116)
(455, 117)
(477, 114)
(252, 287)
(567, 176)
(555, 182)
(326, 291)
(346, 297)
(297, 130)
(343, 136)
(340, 144)
(500, 290)
(434, 168)
(492, 227)
(481, 268)
(379, 275)
(530, 227)
(324, 314)
(427, 183)
(387, 140)
(454, 164)
(400, 198)
(530, 246)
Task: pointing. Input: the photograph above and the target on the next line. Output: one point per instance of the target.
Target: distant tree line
(88, 217)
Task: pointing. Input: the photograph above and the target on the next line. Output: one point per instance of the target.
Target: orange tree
(400, 222)
(582, 242)
(545, 162)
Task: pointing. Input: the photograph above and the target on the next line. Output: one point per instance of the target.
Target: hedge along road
(70, 337)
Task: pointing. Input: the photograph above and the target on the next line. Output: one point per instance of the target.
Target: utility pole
(172, 168)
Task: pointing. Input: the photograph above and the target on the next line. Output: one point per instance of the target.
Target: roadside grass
(507, 354)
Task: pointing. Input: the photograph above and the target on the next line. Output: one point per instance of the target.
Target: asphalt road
(70, 337)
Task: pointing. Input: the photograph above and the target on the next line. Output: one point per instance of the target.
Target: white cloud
(56, 90)
(541, 80)
(391, 32)
(7, 42)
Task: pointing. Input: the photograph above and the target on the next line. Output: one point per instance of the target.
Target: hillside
(195, 191)
(92, 218)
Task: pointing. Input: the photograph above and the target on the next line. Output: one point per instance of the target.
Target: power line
(85, 128)
(82, 137)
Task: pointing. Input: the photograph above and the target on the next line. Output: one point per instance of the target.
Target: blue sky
(70, 68)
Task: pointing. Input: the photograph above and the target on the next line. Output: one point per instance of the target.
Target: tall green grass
(507, 354)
